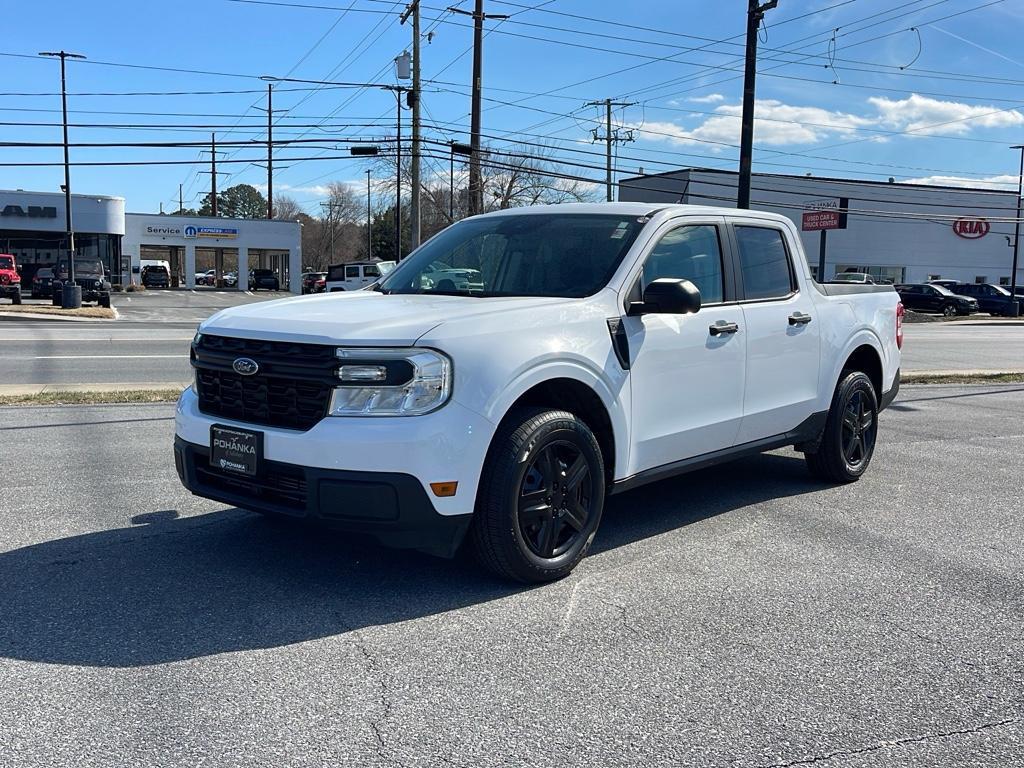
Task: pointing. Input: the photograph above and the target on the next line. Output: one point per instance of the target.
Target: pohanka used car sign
(971, 229)
(824, 214)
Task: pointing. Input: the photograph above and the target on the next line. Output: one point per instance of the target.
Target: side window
(371, 271)
(351, 273)
(764, 263)
(692, 253)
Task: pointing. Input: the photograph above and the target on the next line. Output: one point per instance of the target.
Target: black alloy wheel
(555, 500)
(848, 442)
(860, 428)
(541, 496)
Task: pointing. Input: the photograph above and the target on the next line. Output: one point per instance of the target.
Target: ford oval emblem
(245, 366)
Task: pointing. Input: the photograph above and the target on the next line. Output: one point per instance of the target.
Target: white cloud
(1004, 181)
(780, 124)
(711, 98)
(933, 117)
(777, 124)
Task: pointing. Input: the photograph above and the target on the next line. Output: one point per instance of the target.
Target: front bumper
(447, 445)
(391, 507)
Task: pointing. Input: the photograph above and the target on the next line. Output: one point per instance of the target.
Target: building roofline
(871, 182)
(61, 194)
(173, 217)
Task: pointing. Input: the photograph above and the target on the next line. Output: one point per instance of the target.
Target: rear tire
(16, 298)
(541, 496)
(851, 431)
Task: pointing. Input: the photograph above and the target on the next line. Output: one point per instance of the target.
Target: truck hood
(358, 317)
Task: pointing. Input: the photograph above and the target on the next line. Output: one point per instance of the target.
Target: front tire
(541, 496)
(949, 310)
(851, 431)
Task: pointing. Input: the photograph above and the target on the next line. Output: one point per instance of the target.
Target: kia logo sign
(971, 229)
(245, 366)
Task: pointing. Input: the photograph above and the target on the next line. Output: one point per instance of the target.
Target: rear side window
(371, 271)
(351, 272)
(764, 263)
(690, 253)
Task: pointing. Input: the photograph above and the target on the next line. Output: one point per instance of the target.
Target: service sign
(971, 229)
(829, 213)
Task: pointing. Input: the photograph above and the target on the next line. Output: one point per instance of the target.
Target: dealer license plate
(235, 450)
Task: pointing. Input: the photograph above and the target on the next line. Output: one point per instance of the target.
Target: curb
(20, 390)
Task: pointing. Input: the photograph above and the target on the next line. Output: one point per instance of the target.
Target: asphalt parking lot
(745, 615)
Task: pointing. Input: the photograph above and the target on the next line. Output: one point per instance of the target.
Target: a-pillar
(243, 269)
(190, 266)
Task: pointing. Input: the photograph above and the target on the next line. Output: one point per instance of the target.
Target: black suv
(263, 278)
(155, 276)
(993, 299)
(925, 297)
(89, 275)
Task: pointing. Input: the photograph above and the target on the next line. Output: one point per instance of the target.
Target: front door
(783, 352)
(687, 371)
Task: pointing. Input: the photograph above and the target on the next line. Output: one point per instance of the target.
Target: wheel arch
(867, 359)
(579, 391)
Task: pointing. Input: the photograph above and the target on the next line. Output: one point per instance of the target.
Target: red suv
(10, 279)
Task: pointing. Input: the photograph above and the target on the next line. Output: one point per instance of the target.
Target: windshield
(531, 254)
(943, 290)
(6, 262)
(83, 267)
(1000, 290)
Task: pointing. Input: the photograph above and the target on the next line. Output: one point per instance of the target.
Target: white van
(355, 274)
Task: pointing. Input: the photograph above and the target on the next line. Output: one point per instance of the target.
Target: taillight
(899, 325)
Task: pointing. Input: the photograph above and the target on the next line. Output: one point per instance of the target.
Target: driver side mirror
(668, 296)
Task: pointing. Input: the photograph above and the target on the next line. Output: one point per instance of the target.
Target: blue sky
(900, 91)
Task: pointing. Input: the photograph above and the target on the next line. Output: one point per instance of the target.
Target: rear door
(686, 371)
(783, 349)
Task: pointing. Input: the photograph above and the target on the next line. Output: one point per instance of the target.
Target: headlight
(197, 338)
(391, 381)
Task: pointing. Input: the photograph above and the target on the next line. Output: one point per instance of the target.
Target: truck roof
(632, 209)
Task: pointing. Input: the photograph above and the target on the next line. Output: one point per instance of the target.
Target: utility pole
(213, 173)
(181, 202)
(476, 186)
(270, 150)
(755, 13)
(398, 180)
(1016, 236)
(71, 292)
(369, 225)
(414, 174)
(329, 205)
(610, 137)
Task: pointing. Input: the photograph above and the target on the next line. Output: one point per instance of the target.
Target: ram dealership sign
(30, 211)
(971, 229)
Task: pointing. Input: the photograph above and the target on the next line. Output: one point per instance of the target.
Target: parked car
(155, 276)
(993, 299)
(90, 276)
(263, 278)
(313, 282)
(42, 283)
(355, 274)
(209, 277)
(230, 279)
(924, 297)
(440, 277)
(606, 350)
(854, 277)
(10, 279)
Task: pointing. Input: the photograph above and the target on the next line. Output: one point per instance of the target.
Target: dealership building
(32, 227)
(901, 232)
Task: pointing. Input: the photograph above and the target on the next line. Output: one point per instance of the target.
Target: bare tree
(285, 208)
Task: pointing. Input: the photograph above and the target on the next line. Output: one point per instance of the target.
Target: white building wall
(95, 214)
(157, 230)
(924, 246)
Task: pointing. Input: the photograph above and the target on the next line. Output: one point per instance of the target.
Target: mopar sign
(971, 229)
(192, 232)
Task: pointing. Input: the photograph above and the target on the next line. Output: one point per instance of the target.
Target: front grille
(291, 389)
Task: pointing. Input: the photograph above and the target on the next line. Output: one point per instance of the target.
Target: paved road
(742, 616)
(150, 342)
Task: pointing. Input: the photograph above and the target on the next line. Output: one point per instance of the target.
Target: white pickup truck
(603, 347)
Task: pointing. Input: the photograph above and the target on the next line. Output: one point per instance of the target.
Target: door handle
(799, 318)
(722, 327)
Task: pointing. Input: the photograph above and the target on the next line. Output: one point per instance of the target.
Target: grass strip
(996, 377)
(93, 398)
(104, 313)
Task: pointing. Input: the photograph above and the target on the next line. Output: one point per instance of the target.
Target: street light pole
(1015, 303)
(71, 292)
(369, 226)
